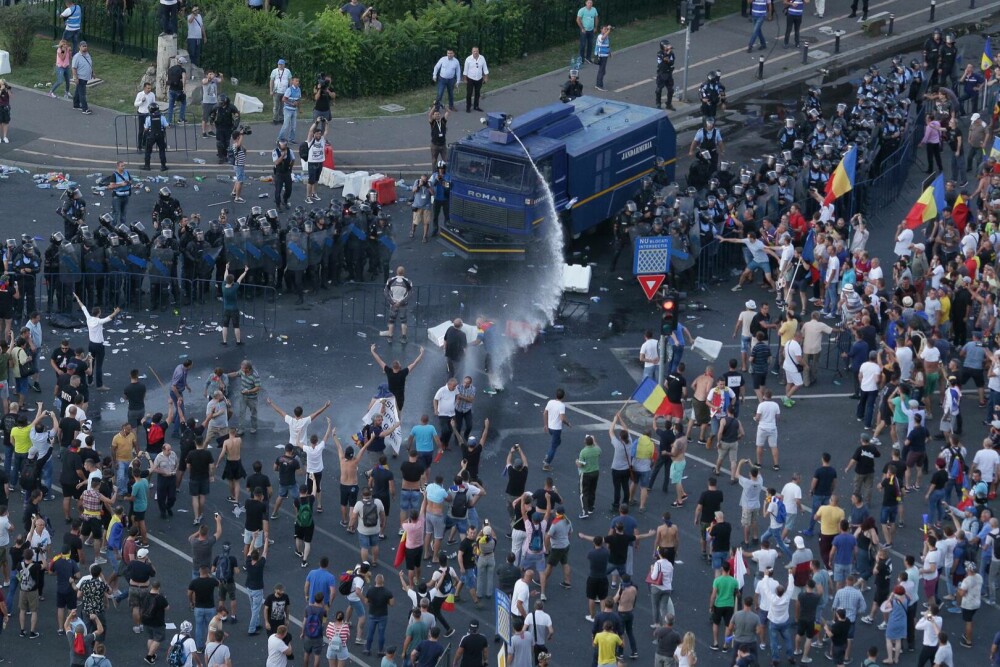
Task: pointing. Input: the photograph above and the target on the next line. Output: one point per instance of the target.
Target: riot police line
(179, 259)
(726, 199)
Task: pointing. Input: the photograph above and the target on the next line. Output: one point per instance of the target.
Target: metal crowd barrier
(127, 135)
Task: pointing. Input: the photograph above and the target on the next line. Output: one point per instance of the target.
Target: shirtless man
(413, 474)
(700, 388)
(349, 460)
(667, 537)
(436, 495)
(233, 471)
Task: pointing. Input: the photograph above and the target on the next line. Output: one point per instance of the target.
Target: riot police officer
(440, 183)
(225, 117)
(380, 247)
(51, 270)
(25, 267)
(665, 73)
(167, 207)
(932, 54)
(95, 268)
(622, 229)
(156, 135)
(572, 88)
(788, 135)
(712, 94)
(947, 57)
(284, 165)
(708, 138)
(73, 212)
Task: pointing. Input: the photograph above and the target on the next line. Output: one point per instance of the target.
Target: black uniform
(571, 90)
(665, 76)
(225, 117)
(712, 94)
(156, 135)
(284, 164)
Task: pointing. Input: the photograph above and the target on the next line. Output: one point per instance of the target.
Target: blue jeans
(8, 463)
(194, 50)
(376, 623)
(555, 439)
(121, 474)
(172, 97)
(443, 85)
(650, 372)
(935, 512)
(586, 44)
(780, 633)
(73, 37)
(774, 535)
(866, 407)
(15, 472)
(817, 502)
(80, 95)
(758, 32)
(201, 618)
(62, 77)
(288, 126)
(256, 604)
(47, 474)
(118, 207)
(830, 298)
(676, 354)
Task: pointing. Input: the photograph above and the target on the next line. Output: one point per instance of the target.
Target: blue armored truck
(592, 152)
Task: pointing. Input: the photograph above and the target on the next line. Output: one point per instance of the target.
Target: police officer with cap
(665, 73)
(572, 89)
(156, 134)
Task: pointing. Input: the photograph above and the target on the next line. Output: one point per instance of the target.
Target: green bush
(18, 25)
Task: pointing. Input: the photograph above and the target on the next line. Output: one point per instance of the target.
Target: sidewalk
(49, 134)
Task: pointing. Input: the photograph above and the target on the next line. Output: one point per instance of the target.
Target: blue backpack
(782, 515)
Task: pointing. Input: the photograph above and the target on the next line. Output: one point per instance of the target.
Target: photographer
(209, 98)
(284, 164)
(370, 20)
(314, 153)
(225, 117)
(238, 158)
(4, 110)
(322, 96)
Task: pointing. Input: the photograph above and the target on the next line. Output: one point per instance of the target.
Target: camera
(323, 80)
(245, 130)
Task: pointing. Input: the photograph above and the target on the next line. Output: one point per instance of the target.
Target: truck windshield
(506, 174)
(469, 167)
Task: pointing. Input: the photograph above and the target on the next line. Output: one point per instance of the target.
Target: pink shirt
(414, 533)
(63, 57)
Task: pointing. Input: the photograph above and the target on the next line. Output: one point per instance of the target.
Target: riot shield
(236, 253)
(209, 256)
(161, 262)
(252, 240)
(316, 242)
(70, 262)
(270, 251)
(117, 259)
(296, 251)
(93, 260)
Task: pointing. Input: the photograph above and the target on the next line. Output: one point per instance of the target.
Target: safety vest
(602, 47)
(75, 19)
(156, 125)
(759, 9)
(796, 8)
(122, 187)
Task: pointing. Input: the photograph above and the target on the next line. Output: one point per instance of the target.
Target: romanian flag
(960, 213)
(842, 180)
(449, 602)
(650, 395)
(929, 206)
(809, 255)
(400, 552)
(986, 61)
(995, 149)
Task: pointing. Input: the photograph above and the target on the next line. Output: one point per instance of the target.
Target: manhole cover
(392, 108)
(817, 54)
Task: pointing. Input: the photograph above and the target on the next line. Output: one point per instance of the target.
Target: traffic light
(670, 313)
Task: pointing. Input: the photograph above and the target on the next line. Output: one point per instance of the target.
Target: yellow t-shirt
(829, 519)
(945, 313)
(21, 436)
(122, 447)
(644, 447)
(606, 643)
(787, 331)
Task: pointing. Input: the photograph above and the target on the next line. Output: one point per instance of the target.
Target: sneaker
(137, 629)
(763, 647)
(25, 634)
(966, 644)
(583, 515)
(452, 631)
(546, 467)
(588, 618)
(150, 659)
(100, 561)
(303, 564)
(204, 135)
(737, 288)
(715, 647)
(882, 625)
(239, 200)
(806, 660)
(35, 635)
(543, 597)
(52, 95)
(298, 553)
(401, 340)
(275, 516)
(875, 441)
(86, 112)
(788, 402)
(566, 584)
(867, 620)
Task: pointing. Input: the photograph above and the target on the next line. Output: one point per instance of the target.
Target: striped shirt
(248, 382)
(465, 392)
(91, 501)
(241, 156)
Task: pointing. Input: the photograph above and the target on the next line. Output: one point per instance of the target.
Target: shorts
(718, 558)
(701, 414)
(286, 490)
(889, 514)
(234, 469)
(206, 111)
(315, 171)
(21, 385)
(413, 557)
(399, 312)
(348, 495)
(358, 607)
(337, 654)
(198, 487)
(840, 572)
(312, 646)
(240, 174)
(762, 617)
(759, 380)
(674, 410)
(137, 595)
(749, 517)
(931, 383)
(764, 267)
(461, 525)
(410, 499)
(230, 318)
(367, 541)
(793, 377)
(915, 459)
(305, 533)
(28, 601)
(805, 629)
(677, 471)
(838, 654)
(881, 594)
(643, 477)
(157, 634)
(558, 556)
(66, 600)
(967, 614)
(314, 480)
(469, 578)
(248, 537)
(421, 216)
(92, 527)
(597, 588)
(227, 590)
(729, 449)
(746, 342)
(139, 516)
(427, 458)
(767, 437)
(722, 615)
(434, 525)
(4, 390)
(975, 373)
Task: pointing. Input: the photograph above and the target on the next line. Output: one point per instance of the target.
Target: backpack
(447, 586)
(304, 516)
(223, 568)
(535, 544)
(24, 578)
(369, 514)
(460, 504)
(178, 656)
(312, 625)
(155, 435)
(782, 514)
(346, 583)
(27, 477)
(175, 76)
(333, 638)
(304, 150)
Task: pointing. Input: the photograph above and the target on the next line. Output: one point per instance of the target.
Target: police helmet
(712, 201)
(223, 99)
(137, 226)
(574, 73)
(787, 155)
(705, 155)
(772, 176)
(738, 190)
(133, 238)
(721, 193)
(107, 219)
(715, 75)
(159, 242)
(814, 91)
(256, 211)
(372, 196)
(790, 123)
(950, 38)
(113, 240)
(750, 193)
(441, 164)
(665, 44)
(272, 214)
(782, 180)
(350, 198)
(724, 166)
(713, 183)
(937, 32)
(709, 121)
(153, 107)
(820, 125)
(307, 226)
(164, 192)
(242, 222)
(76, 193)
(647, 182)
(167, 234)
(199, 235)
(661, 211)
(841, 107)
(691, 191)
(657, 222)
(731, 201)
(630, 207)
(779, 167)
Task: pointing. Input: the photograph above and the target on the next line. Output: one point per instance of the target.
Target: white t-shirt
(933, 560)
(4, 531)
(281, 80)
(937, 273)
(791, 493)
(195, 25)
(745, 318)
(869, 374)
(765, 558)
(358, 582)
(931, 354)
(903, 242)
(189, 646)
(436, 577)
(314, 456)
(986, 461)
(297, 428)
(650, 350)
(317, 150)
(875, 274)
(792, 351)
(768, 411)
(523, 593)
(538, 623)
(276, 647)
(832, 270)
(359, 510)
(446, 401)
(216, 653)
(764, 589)
(826, 213)
(904, 355)
(556, 409)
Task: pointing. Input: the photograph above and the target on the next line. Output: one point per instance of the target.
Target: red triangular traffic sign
(651, 284)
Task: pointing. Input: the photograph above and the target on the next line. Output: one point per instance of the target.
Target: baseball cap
(281, 61)
(142, 553)
(751, 304)
(471, 441)
(799, 542)
(473, 624)
(487, 530)
(975, 117)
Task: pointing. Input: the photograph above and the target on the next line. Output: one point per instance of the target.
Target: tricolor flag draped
(960, 213)
(649, 394)
(929, 206)
(809, 255)
(995, 148)
(842, 180)
(986, 61)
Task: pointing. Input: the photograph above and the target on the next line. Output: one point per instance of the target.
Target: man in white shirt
(875, 274)
(868, 378)
(446, 72)
(779, 622)
(298, 426)
(444, 409)
(791, 495)
(277, 84)
(95, 331)
(649, 355)
(520, 600)
(987, 461)
(904, 241)
(196, 35)
(832, 280)
(476, 73)
(317, 154)
(767, 428)
(143, 99)
(539, 624)
(742, 327)
(554, 416)
(792, 366)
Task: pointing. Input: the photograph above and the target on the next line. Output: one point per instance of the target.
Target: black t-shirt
(618, 544)
(466, 551)
(518, 523)
(396, 380)
(259, 480)
(155, 611)
(939, 479)
(841, 632)
(140, 571)
(255, 574)
(455, 343)
(9, 422)
(75, 544)
(135, 394)
(68, 428)
(824, 476)
(378, 600)
(808, 603)
(381, 476)
(287, 465)
(322, 103)
(277, 609)
(917, 439)
(3, 485)
(68, 395)
(598, 559)
(675, 387)
(175, 78)
(667, 438)
(473, 645)
(256, 510)
(540, 503)
(90, 454)
(204, 591)
(711, 502)
(71, 465)
(412, 471)
(890, 491)
(374, 432)
(516, 480)
(60, 357)
(735, 381)
(721, 534)
(200, 462)
(472, 455)
(864, 459)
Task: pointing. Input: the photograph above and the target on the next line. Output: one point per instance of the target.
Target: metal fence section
(173, 301)
(179, 139)
(132, 29)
